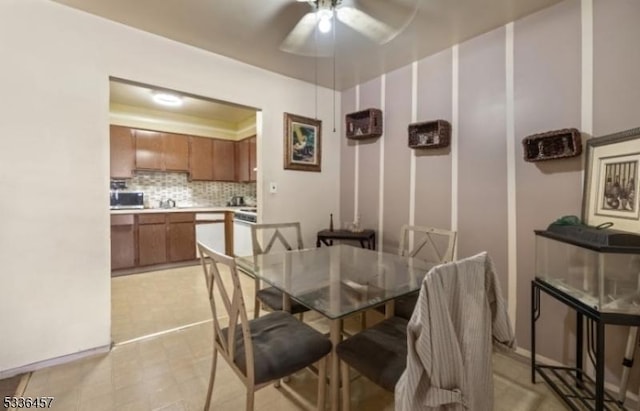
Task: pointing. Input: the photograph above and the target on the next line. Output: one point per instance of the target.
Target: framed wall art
(302, 143)
(611, 181)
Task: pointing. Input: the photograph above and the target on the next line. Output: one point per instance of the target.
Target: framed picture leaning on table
(302, 143)
(611, 181)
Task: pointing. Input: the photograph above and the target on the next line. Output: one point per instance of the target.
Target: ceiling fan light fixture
(167, 99)
(324, 24)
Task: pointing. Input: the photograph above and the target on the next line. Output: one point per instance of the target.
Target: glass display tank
(599, 267)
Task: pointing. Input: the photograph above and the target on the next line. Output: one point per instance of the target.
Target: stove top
(249, 215)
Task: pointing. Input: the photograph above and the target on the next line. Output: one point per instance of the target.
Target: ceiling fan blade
(304, 40)
(366, 25)
(300, 33)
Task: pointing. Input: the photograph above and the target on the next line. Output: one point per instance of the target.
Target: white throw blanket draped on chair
(459, 313)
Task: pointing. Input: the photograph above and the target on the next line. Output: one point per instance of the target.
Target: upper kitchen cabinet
(253, 164)
(213, 159)
(176, 152)
(224, 160)
(246, 160)
(148, 150)
(122, 152)
(161, 151)
(200, 156)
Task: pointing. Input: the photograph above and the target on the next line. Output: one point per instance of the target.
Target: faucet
(167, 203)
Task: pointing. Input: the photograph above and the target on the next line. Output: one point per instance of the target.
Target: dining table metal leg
(335, 334)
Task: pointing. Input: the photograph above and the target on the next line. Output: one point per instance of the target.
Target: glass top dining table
(338, 281)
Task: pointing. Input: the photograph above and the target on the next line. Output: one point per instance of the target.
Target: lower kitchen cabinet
(152, 239)
(181, 237)
(123, 241)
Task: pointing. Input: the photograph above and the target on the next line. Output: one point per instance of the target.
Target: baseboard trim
(54, 361)
(149, 268)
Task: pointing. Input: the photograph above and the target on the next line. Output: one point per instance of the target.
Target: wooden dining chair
(435, 245)
(266, 238)
(430, 244)
(262, 350)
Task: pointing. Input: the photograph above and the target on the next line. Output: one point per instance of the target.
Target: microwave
(127, 199)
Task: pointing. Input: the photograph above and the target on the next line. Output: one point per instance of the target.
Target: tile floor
(170, 371)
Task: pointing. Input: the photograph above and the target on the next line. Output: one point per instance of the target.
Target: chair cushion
(379, 353)
(282, 345)
(272, 298)
(404, 306)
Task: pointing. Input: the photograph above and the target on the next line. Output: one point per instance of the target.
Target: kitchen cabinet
(123, 241)
(148, 150)
(246, 160)
(122, 152)
(146, 239)
(152, 239)
(166, 238)
(242, 160)
(200, 156)
(205, 159)
(181, 237)
(176, 152)
(161, 151)
(224, 161)
(213, 159)
(252, 159)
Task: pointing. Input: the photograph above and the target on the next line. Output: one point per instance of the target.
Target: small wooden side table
(367, 238)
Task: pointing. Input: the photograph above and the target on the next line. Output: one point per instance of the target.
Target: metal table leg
(535, 314)
(599, 365)
(579, 345)
(335, 335)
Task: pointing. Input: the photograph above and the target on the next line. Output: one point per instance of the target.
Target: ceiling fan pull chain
(315, 62)
(334, 76)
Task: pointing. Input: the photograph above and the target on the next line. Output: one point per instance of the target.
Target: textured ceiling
(252, 31)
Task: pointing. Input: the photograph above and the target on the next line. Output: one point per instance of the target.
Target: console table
(367, 238)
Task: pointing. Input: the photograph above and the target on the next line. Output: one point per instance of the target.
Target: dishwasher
(242, 221)
(210, 231)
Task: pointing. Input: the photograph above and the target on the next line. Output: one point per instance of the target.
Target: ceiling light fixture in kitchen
(167, 99)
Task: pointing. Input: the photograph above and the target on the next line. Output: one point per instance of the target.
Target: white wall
(54, 116)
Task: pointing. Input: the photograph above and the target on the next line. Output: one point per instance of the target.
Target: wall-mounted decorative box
(364, 124)
(430, 134)
(552, 144)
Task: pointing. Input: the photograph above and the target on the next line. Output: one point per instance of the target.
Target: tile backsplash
(158, 186)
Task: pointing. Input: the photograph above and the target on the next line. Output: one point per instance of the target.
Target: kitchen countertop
(176, 210)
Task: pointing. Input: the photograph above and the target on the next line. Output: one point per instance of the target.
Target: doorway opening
(176, 159)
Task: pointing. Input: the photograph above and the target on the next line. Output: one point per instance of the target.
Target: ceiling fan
(358, 15)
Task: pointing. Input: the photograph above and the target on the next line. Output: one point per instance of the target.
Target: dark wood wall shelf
(364, 124)
(430, 134)
(552, 145)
